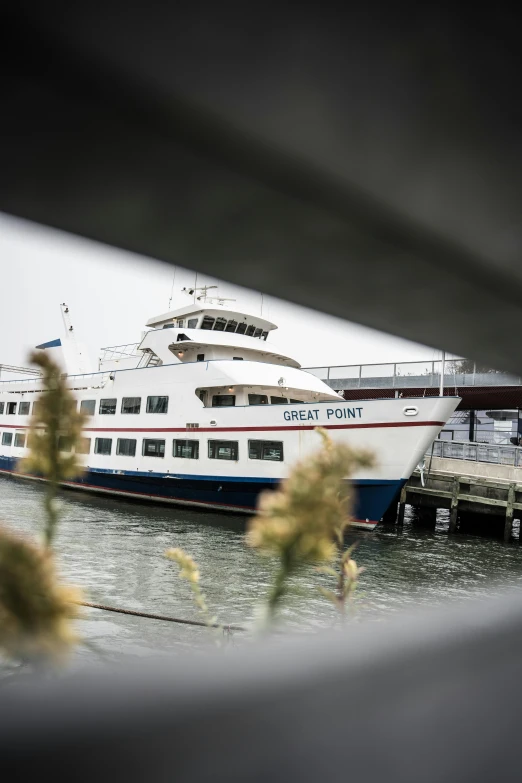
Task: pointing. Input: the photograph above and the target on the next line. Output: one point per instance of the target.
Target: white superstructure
(205, 411)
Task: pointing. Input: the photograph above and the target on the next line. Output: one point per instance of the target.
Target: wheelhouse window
(241, 329)
(223, 400)
(237, 358)
(88, 407)
(2, 405)
(208, 322)
(24, 408)
(264, 335)
(103, 446)
(131, 405)
(223, 449)
(200, 357)
(297, 402)
(153, 448)
(187, 449)
(108, 407)
(7, 438)
(231, 326)
(126, 447)
(157, 404)
(220, 324)
(11, 408)
(83, 446)
(278, 401)
(266, 449)
(19, 440)
(257, 399)
(258, 333)
(64, 443)
(192, 323)
(250, 331)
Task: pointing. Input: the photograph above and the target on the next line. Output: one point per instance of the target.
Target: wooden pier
(481, 497)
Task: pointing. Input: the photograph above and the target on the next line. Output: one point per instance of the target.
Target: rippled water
(115, 551)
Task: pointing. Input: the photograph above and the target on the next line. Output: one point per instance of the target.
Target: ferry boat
(204, 411)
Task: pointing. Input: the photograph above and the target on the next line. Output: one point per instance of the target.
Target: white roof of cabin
(160, 341)
(213, 310)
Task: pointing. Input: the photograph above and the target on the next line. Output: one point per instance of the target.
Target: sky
(111, 293)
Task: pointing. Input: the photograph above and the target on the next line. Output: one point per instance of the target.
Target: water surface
(114, 550)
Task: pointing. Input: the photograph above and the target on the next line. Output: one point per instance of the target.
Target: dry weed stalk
(55, 417)
(303, 520)
(189, 570)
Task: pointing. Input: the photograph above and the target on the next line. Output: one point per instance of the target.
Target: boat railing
(477, 452)
(420, 374)
(119, 352)
(93, 380)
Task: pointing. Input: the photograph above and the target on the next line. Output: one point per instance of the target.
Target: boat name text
(337, 413)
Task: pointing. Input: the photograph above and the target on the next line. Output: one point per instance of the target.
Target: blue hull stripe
(373, 496)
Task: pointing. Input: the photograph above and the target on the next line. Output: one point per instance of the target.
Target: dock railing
(477, 452)
(422, 374)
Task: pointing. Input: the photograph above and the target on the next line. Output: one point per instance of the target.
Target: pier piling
(508, 525)
(454, 504)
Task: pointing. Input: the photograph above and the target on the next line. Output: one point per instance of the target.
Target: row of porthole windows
(154, 447)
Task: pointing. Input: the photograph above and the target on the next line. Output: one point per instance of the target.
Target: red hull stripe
(103, 490)
(275, 428)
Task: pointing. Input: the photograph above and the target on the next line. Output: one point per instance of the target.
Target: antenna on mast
(172, 288)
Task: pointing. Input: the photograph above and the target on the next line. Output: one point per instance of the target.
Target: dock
(480, 485)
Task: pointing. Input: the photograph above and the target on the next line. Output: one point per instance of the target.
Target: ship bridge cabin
(226, 354)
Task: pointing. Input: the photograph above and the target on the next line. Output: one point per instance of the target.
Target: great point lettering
(331, 413)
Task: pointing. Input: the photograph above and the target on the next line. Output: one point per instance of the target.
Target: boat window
(36, 407)
(297, 402)
(250, 330)
(188, 449)
(7, 438)
(231, 326)
(202, 394)
(200, 357)
(1, 407)
(181, 322)
(257, 399)
(258, 333)
(103, 446)
(192, 323)
(83, 446)
(87, 407)
(168, 326)
(208, 322)
(126, 447)
(237, 358)
(131, 405)
(265, 449)
(157, 404)
(64, 443)
(222, 449)
(182, 337)
(278, 400)
(108, 407)
(11, 408)
(220, 324)
(23, 408)
(264, 335)
(223, 400)
(19, 440)
(153, 448)
(241, 329)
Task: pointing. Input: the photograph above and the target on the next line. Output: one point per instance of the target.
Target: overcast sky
(112, 293)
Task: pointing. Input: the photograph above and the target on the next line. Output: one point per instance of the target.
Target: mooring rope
(164, 617)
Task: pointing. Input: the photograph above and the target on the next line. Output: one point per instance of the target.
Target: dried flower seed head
(311, 509)
(188, 568)
(35, 610)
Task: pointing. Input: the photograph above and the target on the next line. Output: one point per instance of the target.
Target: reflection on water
(115, 551)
